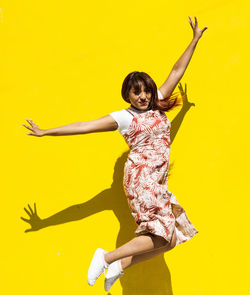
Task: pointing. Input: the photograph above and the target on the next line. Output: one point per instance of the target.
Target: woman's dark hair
(134, 80)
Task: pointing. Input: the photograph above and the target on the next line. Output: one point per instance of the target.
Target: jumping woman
(162, 222)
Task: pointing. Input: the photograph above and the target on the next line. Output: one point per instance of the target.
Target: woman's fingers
(34, 128)
(204, 29)
(191, 22)
(197, 32)
(29, 122)
(196, 22)
(31, 129)
(33, 124)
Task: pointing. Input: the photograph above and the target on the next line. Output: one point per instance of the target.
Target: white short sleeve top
(124, 118)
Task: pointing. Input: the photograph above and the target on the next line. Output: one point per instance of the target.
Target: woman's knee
(161, 242)
(158, 241)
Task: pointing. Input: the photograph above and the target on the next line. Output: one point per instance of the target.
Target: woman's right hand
(36, 131)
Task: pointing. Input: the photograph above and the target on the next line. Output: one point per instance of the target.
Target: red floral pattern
(154, 208)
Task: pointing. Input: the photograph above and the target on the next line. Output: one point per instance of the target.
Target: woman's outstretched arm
(106, 123)
(180, 66)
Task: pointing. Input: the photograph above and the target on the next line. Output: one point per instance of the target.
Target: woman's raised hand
(36, 131)
(197, 33)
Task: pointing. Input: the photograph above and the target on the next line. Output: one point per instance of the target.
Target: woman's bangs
(138, 82)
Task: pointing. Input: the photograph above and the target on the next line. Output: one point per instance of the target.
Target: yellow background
(64, 62)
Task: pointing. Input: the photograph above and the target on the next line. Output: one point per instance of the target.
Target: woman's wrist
(196, 39)
(44, 132)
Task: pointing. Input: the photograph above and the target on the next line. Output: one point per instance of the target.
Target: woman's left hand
(197, 33)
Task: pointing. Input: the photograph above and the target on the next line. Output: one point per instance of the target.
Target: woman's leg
(138, 246)
(133, 259)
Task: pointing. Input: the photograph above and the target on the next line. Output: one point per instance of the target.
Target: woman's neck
(137, 110)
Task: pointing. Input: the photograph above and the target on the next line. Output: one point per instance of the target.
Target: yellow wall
(64, 62)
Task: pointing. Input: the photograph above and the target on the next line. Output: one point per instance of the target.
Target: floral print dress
(154, 208)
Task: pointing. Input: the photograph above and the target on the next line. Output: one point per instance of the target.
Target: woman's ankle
(107, 258)
(125, 262)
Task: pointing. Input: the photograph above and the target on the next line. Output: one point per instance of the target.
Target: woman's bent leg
(135, 249)
(133, 259)
(138, 245)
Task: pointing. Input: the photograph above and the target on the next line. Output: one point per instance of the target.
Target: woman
(162, 222)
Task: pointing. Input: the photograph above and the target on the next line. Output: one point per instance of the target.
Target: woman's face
(140, 99)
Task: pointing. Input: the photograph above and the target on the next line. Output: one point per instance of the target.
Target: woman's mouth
(142, 102)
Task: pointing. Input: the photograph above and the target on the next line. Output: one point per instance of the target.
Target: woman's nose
(143, 95)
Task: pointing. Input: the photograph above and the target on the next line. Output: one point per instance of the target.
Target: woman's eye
(136, 92)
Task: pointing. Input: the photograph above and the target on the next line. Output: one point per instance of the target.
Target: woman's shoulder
(123, 118)
(121, 113)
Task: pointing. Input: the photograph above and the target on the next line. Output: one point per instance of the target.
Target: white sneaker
(97, 267)
(114, 273)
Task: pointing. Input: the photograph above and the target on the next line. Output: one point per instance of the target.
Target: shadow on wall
(148, 277)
